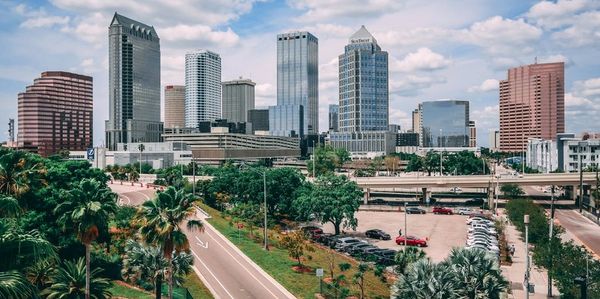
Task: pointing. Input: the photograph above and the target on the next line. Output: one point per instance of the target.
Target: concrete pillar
(425, 194)
(575, 192)
(367, 195)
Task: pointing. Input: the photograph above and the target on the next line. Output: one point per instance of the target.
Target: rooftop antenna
(536, 60)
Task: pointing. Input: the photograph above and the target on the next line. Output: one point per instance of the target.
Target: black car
(310, 230)
(385, 257)
(377, 234)
(352, 248)
(377, 201)
(322, 238)
(414, 210)
(474, 202)
(330, 241)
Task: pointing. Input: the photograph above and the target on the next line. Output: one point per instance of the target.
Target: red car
(441, 210)
(411, 241)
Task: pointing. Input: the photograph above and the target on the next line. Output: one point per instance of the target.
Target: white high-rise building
(202, 87)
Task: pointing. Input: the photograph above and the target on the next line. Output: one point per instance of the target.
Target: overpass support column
(367, 195)
(425, 194)
(575, 192)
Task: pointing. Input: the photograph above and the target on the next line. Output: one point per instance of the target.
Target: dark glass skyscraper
(445, 123)
(297, 110)
(333, 117)
(134, 83)
(363, 85)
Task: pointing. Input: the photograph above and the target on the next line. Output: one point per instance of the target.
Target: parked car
(377, 234)
(358, 249)
(322, 238)
(377, 201)
(474, 202)
(489, 231)
(464, 211)
(331, 240)
(411, 241)
(385, 257)
(415, 210)
(341, 243)
(442, 210)
(348, 249)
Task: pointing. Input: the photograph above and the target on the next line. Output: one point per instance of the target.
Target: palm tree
(160, 220)
(72, 281)
(17, 171)
(39, 273)
(424, 280)
(14, 285)
(476, 274)
(147, 263)
(406, 257)
(9, 206)
(86, 209)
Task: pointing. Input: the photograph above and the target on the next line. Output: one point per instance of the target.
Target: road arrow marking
(202, 244)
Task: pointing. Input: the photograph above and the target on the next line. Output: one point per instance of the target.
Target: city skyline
(424, 63)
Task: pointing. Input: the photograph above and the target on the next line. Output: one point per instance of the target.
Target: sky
(454, 49)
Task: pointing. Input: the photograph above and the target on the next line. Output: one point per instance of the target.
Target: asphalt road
(584, 230)
(223, 268)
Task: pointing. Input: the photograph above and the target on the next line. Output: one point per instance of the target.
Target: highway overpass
(475, 181)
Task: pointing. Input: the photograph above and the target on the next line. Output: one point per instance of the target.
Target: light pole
(405, 223)
(497, 191)
(550, 241)
(523, 156)
(581, 145)
(526, 221)
(265, 201)
(441, 152)
(193, 176)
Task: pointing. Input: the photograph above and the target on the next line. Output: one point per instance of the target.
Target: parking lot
(443, 231)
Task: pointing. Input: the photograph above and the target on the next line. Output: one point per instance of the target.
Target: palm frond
(14, 285)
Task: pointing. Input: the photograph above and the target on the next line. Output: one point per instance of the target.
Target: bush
(110, 264)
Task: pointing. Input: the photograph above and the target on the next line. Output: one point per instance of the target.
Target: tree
(72, 280)
(332, 199)
(86, 210)
(476, 274)
(431, 162)
(359, 278)
(296, 244)
(406, 257)
(415, 163)
(9, 206)
(14, 285)
(147, 264)
(18, 171)
(249, 213)
(134, 176)
(39, 273)
(327, 160)
(512, 190)
(391, 164)
(161, 219)
(425, 280)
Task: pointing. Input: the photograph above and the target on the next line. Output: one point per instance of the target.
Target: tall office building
(363, 85)
(55, 113)
(259, 118)
(472, 134)
(202, 87)
(174, 106)
(134, 83)
(444, 123)
(297, 109)
(333, 117)
(532, 104)
(238, 99)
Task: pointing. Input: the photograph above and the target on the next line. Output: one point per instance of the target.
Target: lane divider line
(213, 275)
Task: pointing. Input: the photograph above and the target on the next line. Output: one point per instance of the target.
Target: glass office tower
(134, 83)
(297, 86)
(445, 123)
(202, 87)
(363, 85)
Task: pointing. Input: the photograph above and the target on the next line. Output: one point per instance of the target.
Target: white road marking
(236, 260)
(211, 273)
(201, 243)
(127, 197)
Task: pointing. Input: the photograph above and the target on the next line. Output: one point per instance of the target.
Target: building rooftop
(362, 36)
(133, 24)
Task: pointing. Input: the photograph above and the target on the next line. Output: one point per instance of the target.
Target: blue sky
(455, 49)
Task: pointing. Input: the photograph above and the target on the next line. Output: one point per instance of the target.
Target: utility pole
(523, 159)
(580, 181)
(265, 199)
(550, 242)
(497, 191)
(526, 221)
(405, 223)
(193, 177)
(441, 152)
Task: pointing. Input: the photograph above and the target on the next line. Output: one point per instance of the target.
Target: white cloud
(590, 87)
(485, 86)
(411, 85)
(318, 9)
(93, 28)
(48, 21)
(575, 101)
(584, 31)
(502, 36)
(199, 33)
(486, 118)
(417, 36)
(422, 60)
(265, 94)
(551, 15)
(325, 30)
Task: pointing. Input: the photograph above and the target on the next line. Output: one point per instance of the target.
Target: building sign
(91, 152)
(360, 40)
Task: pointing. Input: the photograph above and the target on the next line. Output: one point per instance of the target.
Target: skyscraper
(444, 123)
(202, 87)
(472, 134)
(174, 106)
(134, 83)
(363, 85)
(333, 117)
(55, 113)
(532, 104)
(238, 99)
(297, 109)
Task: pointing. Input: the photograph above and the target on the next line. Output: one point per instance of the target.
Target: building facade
(365, 143)
(134, 82)
(174, 106)
(238, 99)
(444, 123)
(297, 86)
(363, 85)
(407, 139)
(333, 117)
(202, 87)
(259, 119)
(472, 134)
(56, 113)
(494, 140)
(532, 104)
(565, 154)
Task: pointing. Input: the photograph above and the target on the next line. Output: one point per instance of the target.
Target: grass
(277, 263)
(123, 291)
(196, 287)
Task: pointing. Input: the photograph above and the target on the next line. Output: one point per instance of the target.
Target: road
(582, 229)
(223, 268)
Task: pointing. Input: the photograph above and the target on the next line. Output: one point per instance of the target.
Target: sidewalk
(516, 272)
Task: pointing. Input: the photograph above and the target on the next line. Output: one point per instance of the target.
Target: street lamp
(526, 221)
(550, 241)
(265, 202)
(441, 152)
(405, 224)
(497, 191)
(581, 146)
